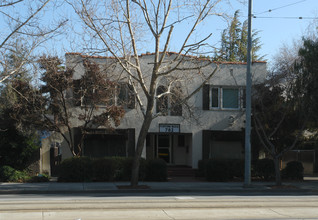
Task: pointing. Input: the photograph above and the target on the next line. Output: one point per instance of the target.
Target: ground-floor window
(100, 145)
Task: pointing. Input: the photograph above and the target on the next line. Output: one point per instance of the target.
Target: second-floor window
(169, 104)
(223, 97)
(120, 94)
(125, 96)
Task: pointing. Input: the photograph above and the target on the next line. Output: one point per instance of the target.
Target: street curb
(147, 191)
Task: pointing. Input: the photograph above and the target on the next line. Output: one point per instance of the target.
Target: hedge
(156, 170)
(294, 170)
(264, 169)
(84, 169)
(223, 170)
(76, 169)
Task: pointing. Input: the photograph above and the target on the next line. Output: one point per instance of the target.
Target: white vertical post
(247, 177)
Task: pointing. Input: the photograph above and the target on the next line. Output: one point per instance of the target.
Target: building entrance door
(164, 147)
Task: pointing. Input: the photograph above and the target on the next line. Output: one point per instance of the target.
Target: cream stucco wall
(229, 74)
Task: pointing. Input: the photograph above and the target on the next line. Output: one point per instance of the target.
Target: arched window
(175, 101)
(162, 102)
(169, 104)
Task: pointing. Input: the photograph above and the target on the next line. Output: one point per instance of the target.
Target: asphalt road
(163, 206)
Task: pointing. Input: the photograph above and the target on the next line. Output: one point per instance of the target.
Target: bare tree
(122, 28)
(22, 24)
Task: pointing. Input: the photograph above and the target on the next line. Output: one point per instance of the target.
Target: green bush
(236, 168)
(156, 170)
(294, 170)
(223, 170)
(76, 169)
(79, 169)
(200, 172)
(217, 170)
(104, 169)
(264, 169)
(39, 178)
(124, 168)
(9, 174)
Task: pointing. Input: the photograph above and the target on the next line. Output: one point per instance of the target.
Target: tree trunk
(278, 178)
(140, 145)
(81, 143)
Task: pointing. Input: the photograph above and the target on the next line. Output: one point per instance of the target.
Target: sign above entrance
(169, 128)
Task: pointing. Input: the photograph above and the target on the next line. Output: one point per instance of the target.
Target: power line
(299, 18)
(274, 9)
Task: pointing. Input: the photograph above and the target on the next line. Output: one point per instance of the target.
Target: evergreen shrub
(124, 168)
(200, 172)
(264, 169)
(224, 170)
(9, 174)
(236, 168)
(156, 170)
(39, 178)
(81, 169)
(76, 169)
(217, 170)
(104, 169)
(294, 170)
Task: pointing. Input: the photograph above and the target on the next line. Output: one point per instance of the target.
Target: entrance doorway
(164, 148)
(174, 149)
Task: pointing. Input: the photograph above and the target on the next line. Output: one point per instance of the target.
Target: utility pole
(247, 177)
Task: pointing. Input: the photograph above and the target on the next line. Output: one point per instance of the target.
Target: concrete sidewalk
(309, 185)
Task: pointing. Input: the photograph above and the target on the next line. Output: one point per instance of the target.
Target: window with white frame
(223, 97)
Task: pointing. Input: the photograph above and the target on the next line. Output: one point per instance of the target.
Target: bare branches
(5, 77)
(22, 28)
(203, 13)
(23, 23)
(134, 46)
(10, 3)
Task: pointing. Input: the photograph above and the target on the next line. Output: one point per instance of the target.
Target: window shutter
(206, 97)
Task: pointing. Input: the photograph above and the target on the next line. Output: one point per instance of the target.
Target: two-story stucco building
(213, 129)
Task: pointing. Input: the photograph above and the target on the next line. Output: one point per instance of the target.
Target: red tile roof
(168, 54)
